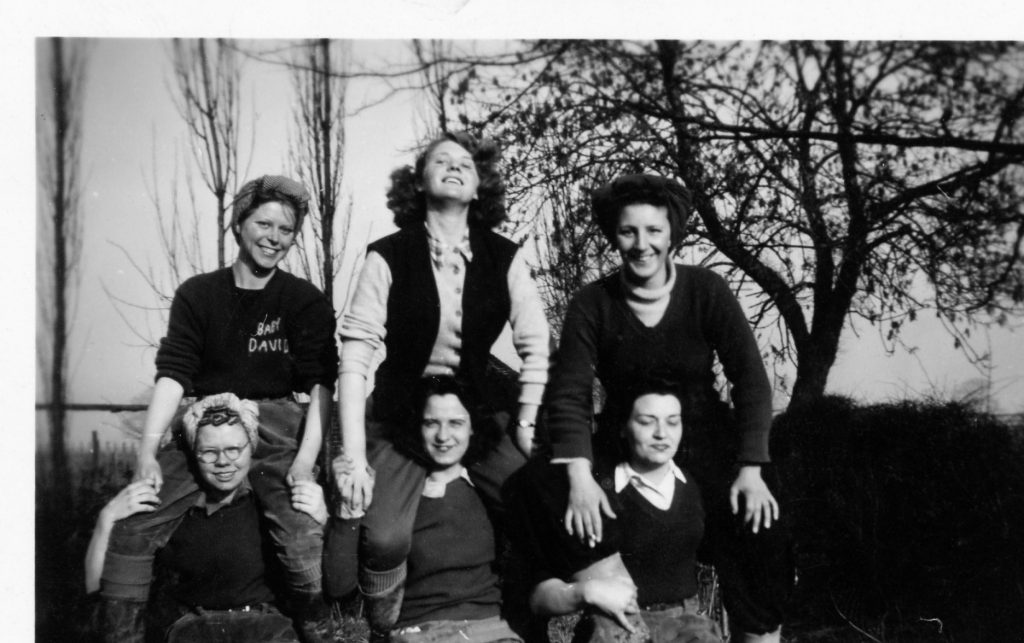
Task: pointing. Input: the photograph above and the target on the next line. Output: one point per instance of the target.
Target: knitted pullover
(220, 560)
(658, 547)
(450, 574)
(257, 344)
(603, 338)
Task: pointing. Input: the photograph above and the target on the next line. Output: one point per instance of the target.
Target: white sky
(128, 105)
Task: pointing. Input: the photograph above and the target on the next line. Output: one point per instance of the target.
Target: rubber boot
(383, 593)
(313, 618)
(123, 621)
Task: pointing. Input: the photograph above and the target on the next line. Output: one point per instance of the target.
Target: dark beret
(266, 189)
(608, 200)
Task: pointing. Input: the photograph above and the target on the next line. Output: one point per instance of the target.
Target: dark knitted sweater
(218, 561)
(602, 338)
(451, 566)
(659, 548)
(257, 344)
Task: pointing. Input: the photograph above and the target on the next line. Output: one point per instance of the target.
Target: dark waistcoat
(414, 313)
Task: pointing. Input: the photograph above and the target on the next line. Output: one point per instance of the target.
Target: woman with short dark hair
(654, 315)
(640, 581)
(450, 592)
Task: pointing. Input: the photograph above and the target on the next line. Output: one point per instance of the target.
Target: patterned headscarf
(266, 189)
(608, 200)
(220, 409)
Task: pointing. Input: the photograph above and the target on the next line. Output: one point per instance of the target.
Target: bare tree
(207, 76)
(205, 90)
(830, 180)
(318, 155)
(59, 141)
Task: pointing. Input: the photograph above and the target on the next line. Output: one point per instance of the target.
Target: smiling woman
(216, 558)
(435, 296)
(449, 593)
(256, 332)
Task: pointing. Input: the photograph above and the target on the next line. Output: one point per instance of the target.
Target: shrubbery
(908, 519)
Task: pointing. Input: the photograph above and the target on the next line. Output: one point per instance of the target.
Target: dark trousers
(298, 539)
(382, 539)
(756, 570)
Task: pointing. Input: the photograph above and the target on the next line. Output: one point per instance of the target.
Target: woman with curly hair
(435, 295)
(654, 315)
(262, 334)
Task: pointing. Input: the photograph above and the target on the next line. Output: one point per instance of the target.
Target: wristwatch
(525, 424)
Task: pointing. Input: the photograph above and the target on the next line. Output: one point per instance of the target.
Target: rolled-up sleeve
(179, 355)
(313, 346)
(363, 327)
(530, 333)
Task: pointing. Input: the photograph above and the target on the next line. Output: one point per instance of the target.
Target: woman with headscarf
(435, 296)
(654, 315)
(216, 561)
(258, 332)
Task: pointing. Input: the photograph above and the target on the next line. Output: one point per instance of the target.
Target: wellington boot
(123, 621)
(314, 619)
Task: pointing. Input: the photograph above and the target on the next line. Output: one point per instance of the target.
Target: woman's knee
(386, 547)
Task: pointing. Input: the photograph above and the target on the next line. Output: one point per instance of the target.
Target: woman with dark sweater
(640, 581)
(451, 588)
(217, 563)
(262, 334)
(435, 296)
(653, 315)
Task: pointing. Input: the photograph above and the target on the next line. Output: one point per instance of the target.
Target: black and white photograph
(432, 328)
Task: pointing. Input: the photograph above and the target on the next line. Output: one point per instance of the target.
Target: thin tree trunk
(58, 415)
(327, 220)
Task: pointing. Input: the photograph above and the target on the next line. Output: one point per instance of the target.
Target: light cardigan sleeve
(530, 334)
(363, 327)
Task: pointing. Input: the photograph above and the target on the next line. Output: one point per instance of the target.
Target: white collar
(435, 489)
(624, 473)
(658, 494)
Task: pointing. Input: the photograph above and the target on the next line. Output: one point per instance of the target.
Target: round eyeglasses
(209, 456)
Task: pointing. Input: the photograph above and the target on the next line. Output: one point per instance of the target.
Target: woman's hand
(299, 471)
(308, 497)
(138, 497)
(760, 507)
(147, 470)
(524, 439)
(355, 484)
(587, 501)
(614, 596)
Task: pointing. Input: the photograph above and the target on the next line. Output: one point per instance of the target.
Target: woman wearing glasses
(262, 334)
(216, 560)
